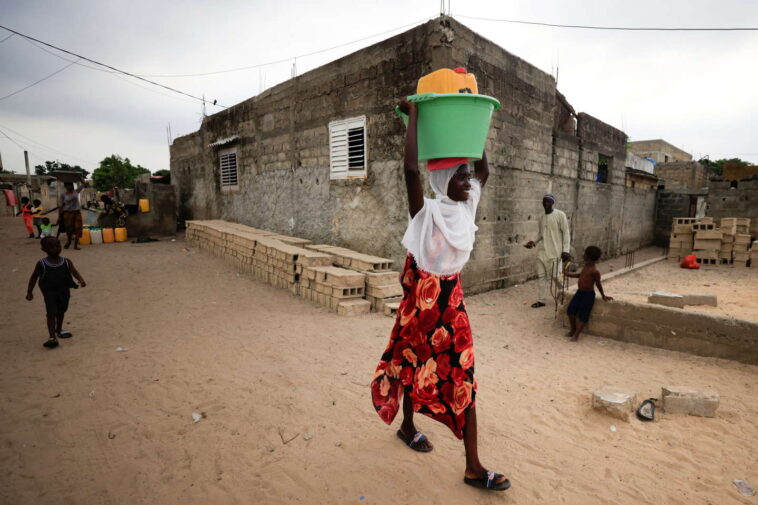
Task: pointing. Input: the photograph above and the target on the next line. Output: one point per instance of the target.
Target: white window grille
(228, 168)
(347, 148)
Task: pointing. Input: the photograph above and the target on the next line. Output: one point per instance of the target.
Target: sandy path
(735, 288)
(259, 362)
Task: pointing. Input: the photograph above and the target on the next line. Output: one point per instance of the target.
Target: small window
(603, 164)
(665, 158)
(228, 168)
(347, 148)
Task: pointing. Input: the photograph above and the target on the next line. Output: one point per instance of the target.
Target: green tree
(116, 171)
(717, 166)
(51, 166)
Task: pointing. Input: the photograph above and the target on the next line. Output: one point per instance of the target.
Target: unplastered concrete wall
(687, 175)
(283, 151)
(741, 201)
(676, 329)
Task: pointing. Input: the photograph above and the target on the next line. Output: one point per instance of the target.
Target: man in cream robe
(553, 243)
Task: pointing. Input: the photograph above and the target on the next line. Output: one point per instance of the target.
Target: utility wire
(109, 66)
(6, 136)
(289, 58)
(6, 38)
(37, 82)
(42, 146)
(621, 28)
(110, 72)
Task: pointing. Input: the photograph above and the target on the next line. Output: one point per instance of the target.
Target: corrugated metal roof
(226, 140)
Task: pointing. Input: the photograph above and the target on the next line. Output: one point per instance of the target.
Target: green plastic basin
(452, 125)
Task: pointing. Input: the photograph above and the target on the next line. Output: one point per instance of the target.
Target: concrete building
(320, 157)
(640, 172)
(659, 151)
(682, 175)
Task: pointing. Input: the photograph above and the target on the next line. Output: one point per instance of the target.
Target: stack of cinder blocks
(741, 249)
(680, 242)
(382, 285)
(269, 257)
(707, 242)
(728, 227)
(340, 289)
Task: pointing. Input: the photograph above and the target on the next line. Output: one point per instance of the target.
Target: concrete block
(708, 235)
(382, 278)
(385, 291)
(353, 307)
(390, 309)
(615, 402)
(667, 299)
(688, 400)
(707, 245)
(701, 299)
(741, 238)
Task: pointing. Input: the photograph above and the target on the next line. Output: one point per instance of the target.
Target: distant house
(659, 151)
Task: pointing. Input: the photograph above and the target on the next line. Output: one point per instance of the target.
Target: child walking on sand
(428, 365)
(37, 210)
(581, 304)
(54, 273)
(26, 214)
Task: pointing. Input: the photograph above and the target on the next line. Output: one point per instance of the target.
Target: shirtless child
(581, 304)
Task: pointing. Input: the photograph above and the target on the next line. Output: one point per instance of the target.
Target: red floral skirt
(430, 354)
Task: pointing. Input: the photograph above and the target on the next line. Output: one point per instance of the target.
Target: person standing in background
(553, 243)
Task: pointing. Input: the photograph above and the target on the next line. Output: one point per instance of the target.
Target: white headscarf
(441, 235)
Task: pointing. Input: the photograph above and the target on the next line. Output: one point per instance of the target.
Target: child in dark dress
(581, 304)
(54, 273)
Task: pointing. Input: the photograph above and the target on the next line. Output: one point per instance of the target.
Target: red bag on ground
(690, 261)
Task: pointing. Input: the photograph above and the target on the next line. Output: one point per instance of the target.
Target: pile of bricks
(347, 282)
(728, 231)
(274, 259)
(725, 244)
(707, 243)
(680, 242)
(339, 289)
(382, 284)
(741, 252)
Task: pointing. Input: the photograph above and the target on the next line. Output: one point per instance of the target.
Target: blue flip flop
(413, 443)
(488, 482)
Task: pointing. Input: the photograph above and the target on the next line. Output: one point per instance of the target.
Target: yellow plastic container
(108, 236)
(85, 239)
(120, 234)
(144, 205)
(446, 80)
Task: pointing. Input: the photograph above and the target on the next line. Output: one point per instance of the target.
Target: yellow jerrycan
(446, 80)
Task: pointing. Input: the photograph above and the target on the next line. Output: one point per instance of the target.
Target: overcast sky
(695, 89)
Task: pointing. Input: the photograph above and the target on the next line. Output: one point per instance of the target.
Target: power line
(6, 136)
(41, 145)
(107, 66)
(37, 82)
(6, 38)
(106, 71)
(620, 28)
(289, 58)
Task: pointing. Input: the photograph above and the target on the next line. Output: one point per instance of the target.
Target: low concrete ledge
(675, 329)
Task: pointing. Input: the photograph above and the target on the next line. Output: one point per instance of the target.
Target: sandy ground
(84, 424)
(735, 288)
